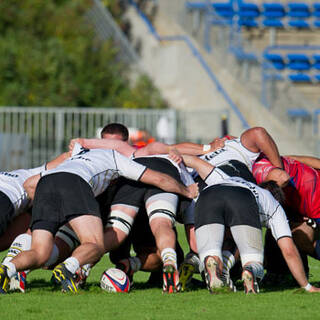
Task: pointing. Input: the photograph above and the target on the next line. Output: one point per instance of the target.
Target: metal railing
(31, 136)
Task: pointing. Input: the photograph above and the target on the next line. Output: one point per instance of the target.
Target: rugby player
(222, 204)
(66, 194)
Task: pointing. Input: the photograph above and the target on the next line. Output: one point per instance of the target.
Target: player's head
(115, 131)
(274, 189)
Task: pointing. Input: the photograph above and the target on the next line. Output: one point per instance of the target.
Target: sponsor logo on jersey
(8, 174)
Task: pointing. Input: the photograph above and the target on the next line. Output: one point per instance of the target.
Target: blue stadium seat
(298, 62)
(317, 77)
(273, 10)
(316, 10)
(298, 13)
(276, 60)
(299, 78)
(273, 14)
(299, 113)
(316, 61)
(248, 12)
(299, 24)
(224, 9)
(316, 23)
(298, 10)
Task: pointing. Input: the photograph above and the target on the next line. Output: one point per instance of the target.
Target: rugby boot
(171, 281)
(4, 279)
(188, 267)
(18, 282)
(81, 276)
(212, 275)
(250, 282)
(61, 275)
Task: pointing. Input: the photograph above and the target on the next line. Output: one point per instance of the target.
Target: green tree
(50, 56)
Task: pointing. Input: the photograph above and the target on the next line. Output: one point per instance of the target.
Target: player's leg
(41, 247)
(210, 229)
(124, 208)
(89, 230)
(242, 215)
(119, 225)
(161, 209)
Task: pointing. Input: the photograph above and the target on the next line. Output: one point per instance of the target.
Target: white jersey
(12, 185)
(271, 213)
(185, 176)
(99, 166)
(232, 150)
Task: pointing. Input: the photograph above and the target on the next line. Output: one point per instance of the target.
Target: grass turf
(42, 302)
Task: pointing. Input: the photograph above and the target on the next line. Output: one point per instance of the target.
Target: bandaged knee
(120, 220)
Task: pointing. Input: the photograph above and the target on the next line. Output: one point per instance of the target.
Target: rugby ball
(114, 280)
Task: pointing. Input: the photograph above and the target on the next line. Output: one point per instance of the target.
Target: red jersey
(304, 192)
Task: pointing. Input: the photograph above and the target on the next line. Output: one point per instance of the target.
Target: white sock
(21, 243)
(228, 261)
(53, 257)
(11, 271)
(72, 264)
(169, 254)
(135, 263)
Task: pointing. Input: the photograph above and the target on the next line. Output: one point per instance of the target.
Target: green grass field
(42, 302)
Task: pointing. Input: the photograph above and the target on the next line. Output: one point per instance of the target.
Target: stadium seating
(299, 63)
(299, 15)
(273, 14)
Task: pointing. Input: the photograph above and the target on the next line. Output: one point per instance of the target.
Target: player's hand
(175, 156)
(193, 190)
(217, 143)
(73, 142)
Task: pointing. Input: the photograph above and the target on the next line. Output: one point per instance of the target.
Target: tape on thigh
(162, 205)
(121, 220)
(68, 236)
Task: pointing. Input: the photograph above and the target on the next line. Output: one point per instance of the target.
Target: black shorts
(59, 198)
(135, 193)
(227, 205)
(7, 212)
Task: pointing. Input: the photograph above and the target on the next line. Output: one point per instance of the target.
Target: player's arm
(258, 140)
(183, 148)
(118, 145)
(30, 185)
(294, 262)
(308, 160)
(55, 162)
(167, 183)
(202, 167)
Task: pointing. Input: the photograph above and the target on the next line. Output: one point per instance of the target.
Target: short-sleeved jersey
(271, 213)
(303, 194)
(99, 167)
(233, 150)
(11, 183)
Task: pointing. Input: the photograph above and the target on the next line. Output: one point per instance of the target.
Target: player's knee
(162, 216)
(41, 257)
(120, 220)
(68, 237)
